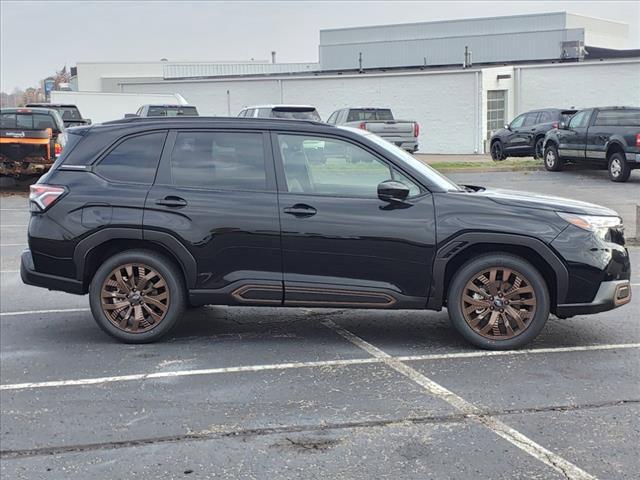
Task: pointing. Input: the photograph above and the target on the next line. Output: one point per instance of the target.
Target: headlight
(592, 223)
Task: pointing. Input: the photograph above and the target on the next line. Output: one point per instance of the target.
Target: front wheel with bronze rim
(498, 301)
(137, 296)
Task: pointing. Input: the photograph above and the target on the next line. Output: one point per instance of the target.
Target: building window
(496, 110)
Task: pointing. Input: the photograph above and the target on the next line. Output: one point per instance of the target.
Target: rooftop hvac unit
(573, 50)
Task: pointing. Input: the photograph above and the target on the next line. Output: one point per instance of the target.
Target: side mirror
(562, 126)
(507, 127)
(88, 121)
(130, 115)
(49, 131)
(392, 191)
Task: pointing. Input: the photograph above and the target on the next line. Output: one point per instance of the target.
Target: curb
(488, 170)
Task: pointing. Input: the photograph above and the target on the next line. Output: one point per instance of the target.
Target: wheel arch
(456, 252)
(550, 141)
(615, 146)
(95, 248)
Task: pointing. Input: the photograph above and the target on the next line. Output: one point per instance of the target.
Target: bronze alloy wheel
(498, 303)
(135, 297)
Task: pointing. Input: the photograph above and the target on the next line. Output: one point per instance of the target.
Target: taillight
(554, 125)
(362, 126)
(638, 140)
(57, 149)
(416, 129)
(41, 197)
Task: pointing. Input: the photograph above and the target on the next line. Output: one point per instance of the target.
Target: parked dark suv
(151, 215)
(524, 136)
(606, 137)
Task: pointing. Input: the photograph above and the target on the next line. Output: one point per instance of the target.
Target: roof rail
(186, 118)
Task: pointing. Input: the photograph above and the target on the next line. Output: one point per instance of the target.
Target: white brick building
(456, 107)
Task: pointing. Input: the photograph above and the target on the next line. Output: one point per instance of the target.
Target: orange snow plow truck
(30, 141)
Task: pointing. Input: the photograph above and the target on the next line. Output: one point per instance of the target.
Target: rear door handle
(301, 210)
(171, 201)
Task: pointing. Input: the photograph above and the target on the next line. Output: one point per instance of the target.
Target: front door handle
(171, 201)
(301, 210)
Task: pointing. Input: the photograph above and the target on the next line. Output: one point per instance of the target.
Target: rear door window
(219, 160)
(530, 119)
(546, 117)
(134, 160)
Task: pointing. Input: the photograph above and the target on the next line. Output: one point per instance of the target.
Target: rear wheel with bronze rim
(137, 296)
(498, 301)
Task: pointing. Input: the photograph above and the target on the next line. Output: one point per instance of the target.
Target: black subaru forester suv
(150, 216)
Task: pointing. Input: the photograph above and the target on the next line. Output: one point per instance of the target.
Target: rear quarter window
(134, 159)
(618, 118)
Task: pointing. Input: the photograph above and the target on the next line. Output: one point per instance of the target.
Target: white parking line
(13, 226)
(566, 468)
(14, 210)
(291, 365)
(9, 271)
(13, 245)
(496, 353)
(185, 373)
(36, 312)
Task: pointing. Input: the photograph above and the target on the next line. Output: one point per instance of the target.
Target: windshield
(296, 114)
(363, 115)
(433, 175)
(170, 111)
(68, 113)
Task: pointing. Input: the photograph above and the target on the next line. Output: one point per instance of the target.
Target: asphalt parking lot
(310, 393)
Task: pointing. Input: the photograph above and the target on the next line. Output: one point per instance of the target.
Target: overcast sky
(39, 37)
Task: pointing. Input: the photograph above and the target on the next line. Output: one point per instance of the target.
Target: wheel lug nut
(502, 310)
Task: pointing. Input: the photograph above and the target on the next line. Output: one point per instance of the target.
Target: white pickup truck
(403, 133)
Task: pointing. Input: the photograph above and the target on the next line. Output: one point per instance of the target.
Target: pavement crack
(255, 432)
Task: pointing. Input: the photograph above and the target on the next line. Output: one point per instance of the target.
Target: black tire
(538, 149)
(166, 271)
(618, 167)
(469, 271)
(552, 160)
(497, 151)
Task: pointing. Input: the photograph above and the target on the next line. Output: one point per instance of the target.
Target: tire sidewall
(175, 285)
(540, 141)
(496, 158)
(557, 164)
(624, 173)
(471, 268)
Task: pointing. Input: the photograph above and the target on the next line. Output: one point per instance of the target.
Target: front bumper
(31, 277)
(610, 295)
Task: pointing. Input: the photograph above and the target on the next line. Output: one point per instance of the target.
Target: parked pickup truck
(403, 133)
(30, 140)
(70, 114)
(604, 137)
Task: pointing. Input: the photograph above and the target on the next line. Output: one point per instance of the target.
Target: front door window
(332, 167)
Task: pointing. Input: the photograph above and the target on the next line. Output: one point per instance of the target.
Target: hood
(546, 202)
